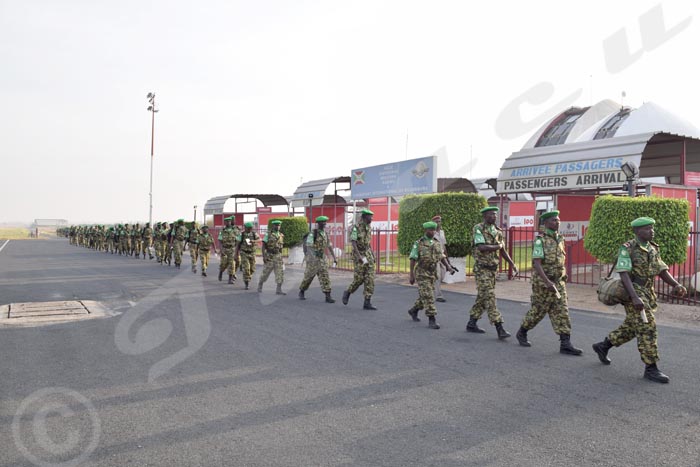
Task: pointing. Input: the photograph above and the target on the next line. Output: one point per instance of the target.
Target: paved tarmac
(195, 372)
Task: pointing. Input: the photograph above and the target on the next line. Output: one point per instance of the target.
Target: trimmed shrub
(459, 211)
(610, 226)
(293, 229)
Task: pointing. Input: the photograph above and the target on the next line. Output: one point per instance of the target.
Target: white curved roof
(649, 118)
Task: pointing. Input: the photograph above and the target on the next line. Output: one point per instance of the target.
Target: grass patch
(14, 233)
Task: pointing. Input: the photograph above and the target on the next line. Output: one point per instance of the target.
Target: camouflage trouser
(543, 302)
(426, 292)
(158, 247)
(316, 266)
(273, 262)
(138, 246)
(123, 245)
(485, 295)
(145, 245)
(177, 250)
(228, 261)
(165, 251)
(633, 326)
(204, 258)
(248, 264)
(194, 255)
(363, 274)
(110, 245)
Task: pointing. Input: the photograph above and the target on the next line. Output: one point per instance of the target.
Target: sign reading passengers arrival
(413, 176)
(577, 175)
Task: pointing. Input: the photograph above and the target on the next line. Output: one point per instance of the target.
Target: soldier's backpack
(611, 290)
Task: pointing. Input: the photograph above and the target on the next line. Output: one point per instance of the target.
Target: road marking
(4, 245)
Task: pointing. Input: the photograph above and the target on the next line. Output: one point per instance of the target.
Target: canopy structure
(216, 205)
(585, 149)
(313, 193)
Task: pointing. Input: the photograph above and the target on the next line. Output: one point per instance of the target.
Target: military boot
(414, 313)
(368, 305)
(432, 324)
(602, 349)
(279, 290)
(346, 297)
(260, 286)
(221, 274)
(565, 346)
(230, 279)
(473, 327)
(521, 335)
(246, 285)
(301, 295)
(194, 270)
(652, 373)
(329, 299)
(502, 333)
(204, 273)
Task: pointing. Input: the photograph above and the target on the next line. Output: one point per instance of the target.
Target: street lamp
(631, 172)
(195, 213)
(151, 96)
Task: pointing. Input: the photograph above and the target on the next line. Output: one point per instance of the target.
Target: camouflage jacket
(247, 241)
(147, 233)
(487, 235)
(427, 253)
(317, 242)
(643, 263)
(273, 242)
(193, 236)
(180, 233)
(550, 247)
(362, 234)
(227, 237)
(205, 241)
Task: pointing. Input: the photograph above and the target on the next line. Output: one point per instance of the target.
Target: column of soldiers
(638, 263)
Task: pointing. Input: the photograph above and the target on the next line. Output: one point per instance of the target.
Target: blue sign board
(413, 176)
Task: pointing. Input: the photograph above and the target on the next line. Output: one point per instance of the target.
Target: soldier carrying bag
(611, 290)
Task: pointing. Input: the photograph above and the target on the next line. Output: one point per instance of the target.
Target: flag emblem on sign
(358, 177)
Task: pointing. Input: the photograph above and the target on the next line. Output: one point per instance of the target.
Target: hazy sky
(255, 95)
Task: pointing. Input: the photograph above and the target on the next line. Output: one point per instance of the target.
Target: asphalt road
(194, 372)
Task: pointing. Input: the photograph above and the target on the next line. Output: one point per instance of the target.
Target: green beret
(276, 222)
(248, 224)
(368, 212)
(205, 226)
(430, 225)
(180, 220)
(322, 219)
(549, 214)
(229, 218)
(489, 208)
(642, 221)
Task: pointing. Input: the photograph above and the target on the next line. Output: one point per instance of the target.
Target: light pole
(195, 213)
(630, 170)
(151, 96)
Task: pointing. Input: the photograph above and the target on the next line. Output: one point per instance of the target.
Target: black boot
(432, 324)
(414, 313)
(565, 346)
(521, 335)
(652, 373)
(502, 333)
(473, 327)
(279, 290)
(368, 305)
(230, 279)
(301, 295)
(246, 285)
(602, 349)
(260, 285)
(346, 297)
(204, 273)
(328, 298)
(221, 274)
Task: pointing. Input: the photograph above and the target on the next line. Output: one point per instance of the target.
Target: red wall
(574, 210)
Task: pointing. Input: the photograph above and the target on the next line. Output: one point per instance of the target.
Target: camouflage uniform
(247, 241)
(272, 257)
(124, 240)
(316, 242)
(193, 241)
(204, 242)
(427, 252)
(110, 240)
(136, 240)
(179, 234)
(227, 238)
(363, 273)
(550, 249)
(643, 263)
(146, 241)
(485, 268)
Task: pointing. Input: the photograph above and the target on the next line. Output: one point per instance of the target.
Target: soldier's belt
(488, 267)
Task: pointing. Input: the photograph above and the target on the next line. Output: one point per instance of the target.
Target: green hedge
(293, 229)
(459, 211)
(610, 226)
